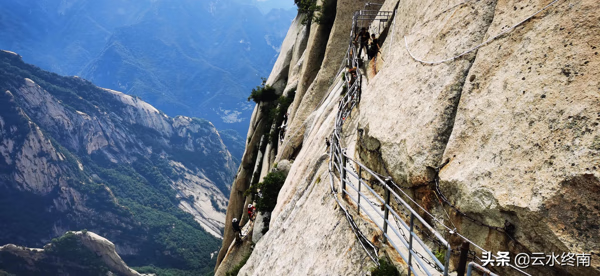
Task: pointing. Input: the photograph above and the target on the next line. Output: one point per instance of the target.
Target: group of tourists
(372, 48)
(235, 224)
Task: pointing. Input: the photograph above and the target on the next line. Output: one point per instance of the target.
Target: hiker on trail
(352, 72)
(374, 49)
(282, 130)
(364, 40)
(251, 210)
(236, 227)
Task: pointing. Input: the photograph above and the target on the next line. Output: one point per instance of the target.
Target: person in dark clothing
(363, 36)
(235, 224)
(327, 144)
(374, 48)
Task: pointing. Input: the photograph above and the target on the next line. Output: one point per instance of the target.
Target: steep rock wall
(524, 144)
(285, 70)
(511, 126)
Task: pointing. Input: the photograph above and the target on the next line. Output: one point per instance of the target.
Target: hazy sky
(267, 5)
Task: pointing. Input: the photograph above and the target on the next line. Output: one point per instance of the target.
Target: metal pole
(386, 214)
(447, 264)
(343, 171)
(359, 173)
(470, 269)
(482, 269)
(332, 149)
(410, 241)
(462, 263)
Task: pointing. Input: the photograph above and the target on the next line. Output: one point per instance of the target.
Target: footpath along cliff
(478, 119)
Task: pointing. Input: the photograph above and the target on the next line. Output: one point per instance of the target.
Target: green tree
(263, 93)
(385, 269)
(269, 188)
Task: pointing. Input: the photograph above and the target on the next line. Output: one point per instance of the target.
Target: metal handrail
(338, 167)
(388, 237)
(394, 213)
(480, 268)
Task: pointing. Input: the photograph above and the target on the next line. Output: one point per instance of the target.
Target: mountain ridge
(74, 156)
(191, 60)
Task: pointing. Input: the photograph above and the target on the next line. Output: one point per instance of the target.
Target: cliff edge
(483, 115)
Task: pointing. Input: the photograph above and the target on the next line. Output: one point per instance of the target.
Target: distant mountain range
(138, 168)
(187, 57)
(74, 156)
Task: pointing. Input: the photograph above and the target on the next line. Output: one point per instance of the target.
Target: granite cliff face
(74, 156)
(509, 130)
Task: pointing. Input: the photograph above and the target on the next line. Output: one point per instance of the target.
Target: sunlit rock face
(510, 129)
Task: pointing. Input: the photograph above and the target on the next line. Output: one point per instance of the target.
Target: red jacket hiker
(251, 210)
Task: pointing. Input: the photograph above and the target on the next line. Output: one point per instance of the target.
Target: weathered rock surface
(323, 52)
(101, 133)
(513, 126)
(525, 142)
(287, 68)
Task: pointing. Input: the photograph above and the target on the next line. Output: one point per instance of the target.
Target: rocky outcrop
(285, 71)
(106, 250)
(30, 260)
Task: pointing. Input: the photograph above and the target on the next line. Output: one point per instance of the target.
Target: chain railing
(402, 236)
(410, 232)
(341, 166)
(369, 247)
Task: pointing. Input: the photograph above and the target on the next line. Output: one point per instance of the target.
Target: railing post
(333, 152)
(343, 171)
(359, 174)
(462, 262)
(410, 241)
(386, 214)
(470, 269)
